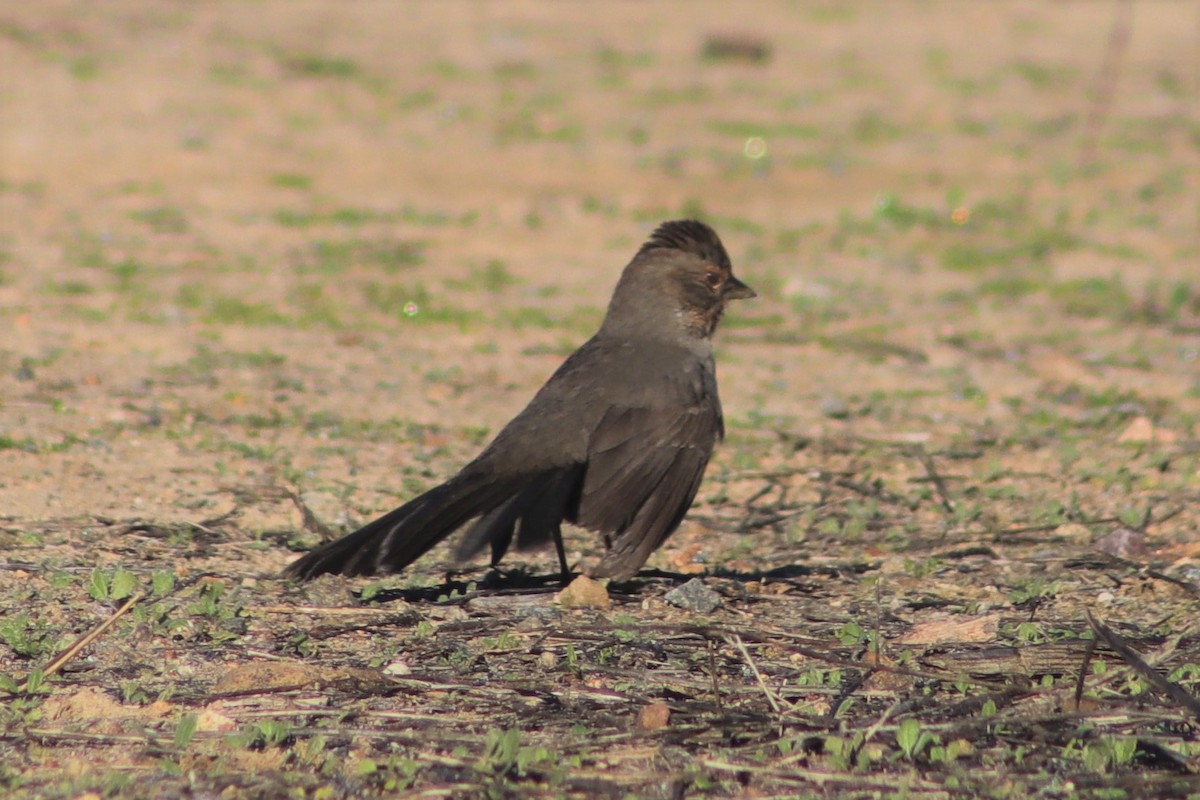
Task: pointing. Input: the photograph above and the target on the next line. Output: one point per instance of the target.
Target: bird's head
(676, 284)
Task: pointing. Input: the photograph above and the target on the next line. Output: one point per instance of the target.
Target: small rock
(446, 613)
(584, 592)
(835, 406)
(211, 720)
(1122, 543)
(694, 596)
(654, 716)
(397, 667)
(534, 618)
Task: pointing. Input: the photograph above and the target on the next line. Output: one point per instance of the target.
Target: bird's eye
(713, 279)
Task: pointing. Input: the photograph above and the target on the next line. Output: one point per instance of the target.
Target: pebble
(694, 596)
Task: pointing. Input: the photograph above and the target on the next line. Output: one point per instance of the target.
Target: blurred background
(283, 236)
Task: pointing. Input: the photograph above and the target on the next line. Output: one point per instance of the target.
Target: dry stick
(329, 611)
(1172, 690)
(748, 520)
(761, 493)
(83, 641)
(737, 642)
(311, 523)
(1106, 81)
(712, 668)
(1187, 586)
(876, 645)
(868, 490)
(763, 636)
(1083, 668)
(935, 477)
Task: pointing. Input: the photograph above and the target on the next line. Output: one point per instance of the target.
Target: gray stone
(694, 596)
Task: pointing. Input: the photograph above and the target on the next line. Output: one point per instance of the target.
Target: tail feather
(540, 509)
(400, 537)
(494, 528)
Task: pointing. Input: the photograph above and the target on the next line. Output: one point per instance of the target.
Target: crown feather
(690, 236)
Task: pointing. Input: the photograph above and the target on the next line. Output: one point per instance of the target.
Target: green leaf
(124, 584)
(1097, 755)
(162, 582)
(185, 730)
(98, 585)
(907, 736)
(1123, 749)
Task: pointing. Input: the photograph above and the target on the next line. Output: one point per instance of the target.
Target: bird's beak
(736, 290)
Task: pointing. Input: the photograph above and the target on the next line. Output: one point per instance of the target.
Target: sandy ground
(507, 115)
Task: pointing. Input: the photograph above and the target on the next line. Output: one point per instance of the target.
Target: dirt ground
(269, 269)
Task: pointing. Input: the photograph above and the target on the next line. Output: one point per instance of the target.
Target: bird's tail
(400, 537)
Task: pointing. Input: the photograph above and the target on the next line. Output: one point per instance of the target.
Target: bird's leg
(565, 571)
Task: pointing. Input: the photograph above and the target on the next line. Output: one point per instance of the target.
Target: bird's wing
(643, 470)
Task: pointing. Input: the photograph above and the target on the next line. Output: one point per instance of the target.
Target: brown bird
(615, 442)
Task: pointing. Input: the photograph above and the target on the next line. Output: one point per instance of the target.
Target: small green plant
(507, 760)
(923, 568)
(118, 585)
(912, 739)
(262, 735)
(162, 219)
(396, 774)
(27, 639)
(1104, 753)
(819, 677)
(850, 753)
(212, 602)
(223, 309)
(314, 65)
(35, 682)
(291, 180)
(502, 643)
(185, 729)
(337, 256)
(851, 634)
(1034, 590)
(132, 692)
(1094, 297)
(162, 582)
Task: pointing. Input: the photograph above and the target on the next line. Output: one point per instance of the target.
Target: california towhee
(616, 441)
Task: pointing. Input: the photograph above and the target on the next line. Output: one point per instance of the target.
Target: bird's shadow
(497, 582)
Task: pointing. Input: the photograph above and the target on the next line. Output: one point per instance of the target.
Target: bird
(615, 442)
